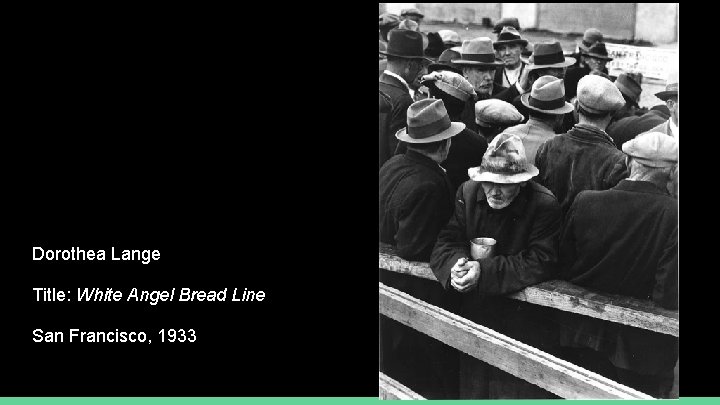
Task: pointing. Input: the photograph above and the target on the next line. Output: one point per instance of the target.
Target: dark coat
(585, 158)
(628, 128)
(400, 100)
(623, 241)
(573, 74)
(527, 234)
(415, 203)
(466, 151)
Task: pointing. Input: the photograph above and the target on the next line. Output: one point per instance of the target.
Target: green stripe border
(281, 401)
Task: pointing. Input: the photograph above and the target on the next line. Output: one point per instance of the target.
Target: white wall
(395, 8)
(526, 13)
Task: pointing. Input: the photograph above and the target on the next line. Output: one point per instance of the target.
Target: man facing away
(624, 241)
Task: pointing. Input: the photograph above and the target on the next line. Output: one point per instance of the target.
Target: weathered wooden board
(567, 297)
(391, 389)
(526, 362)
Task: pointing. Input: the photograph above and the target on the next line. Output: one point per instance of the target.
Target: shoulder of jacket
(542, 191)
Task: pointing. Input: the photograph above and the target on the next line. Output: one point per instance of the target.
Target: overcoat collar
(515, 209)
(392, 81)
(591, 134)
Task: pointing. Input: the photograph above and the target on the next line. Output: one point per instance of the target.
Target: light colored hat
(388, 21)
(492, 112)
(547, 96)
(598, 95)
(548, 55)
(411, 11)
(654, 149)
(671, 88)
(477, 52)
(629, 86)
(409, 25)
(428, 121)
(450, 37)
(451, 83)
(504, 162)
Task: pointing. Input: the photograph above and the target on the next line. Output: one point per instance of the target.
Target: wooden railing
(535, 366)
(391, 389)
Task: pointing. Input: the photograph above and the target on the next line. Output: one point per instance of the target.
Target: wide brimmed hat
(405, 44)
(629, 86)
(591, 36)
(477, 52)
(548, 55)
(508, 36)
(654, 149)
(671, 88)
(451, 83)
(444, 62)
(450, 37)
(411, 11)
(598, 95)
(547, 96)
(598, 51)
(428, 121)
(506, 22)
(504, 162)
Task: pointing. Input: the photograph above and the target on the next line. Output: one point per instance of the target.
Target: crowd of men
(545, 152)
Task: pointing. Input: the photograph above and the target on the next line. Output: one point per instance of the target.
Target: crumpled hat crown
(451, 83)
(654, 149)
(505, 155)
(496, 112)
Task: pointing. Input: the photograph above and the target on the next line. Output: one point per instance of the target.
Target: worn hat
(671, 87)
(450, 37)
(451, 83)
(654, 149)
(598, 95)
(628, 85)
(405, 44)
(548, 55)
(547, 96)
(494, 112)
(411, 11)
(443, 62)
(389, 21)
(591, 36)
(506, 22)
(504, 162)
(435, 45)
(509, 35)
(428, 121)
(477, 52)
(597, 50)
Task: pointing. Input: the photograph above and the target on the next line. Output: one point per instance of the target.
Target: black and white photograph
(528, 200)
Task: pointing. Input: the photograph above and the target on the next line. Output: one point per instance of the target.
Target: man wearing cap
(508, 48)
(671, 126)
(635, 255)
(500, 202)
(594, 61)
(412, 14)
(478, 64)
(406, 63)
(467, 147)
(450, 38)
(493, 116)
(584, 158)
(547, 106)
(387, 22)
(416, 200)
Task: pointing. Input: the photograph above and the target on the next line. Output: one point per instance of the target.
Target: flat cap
(411, 11)
(451, 83)
(496, 112)
(450, 37)
(388, 20)
(598, 95)
(654, 149)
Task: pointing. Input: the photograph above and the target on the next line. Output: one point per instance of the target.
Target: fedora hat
(547, 96)
(628, 85)
(477, 52)
(591, 36)
(548, 55)
(506, 22)
(597, 50)
(450, 37)
(598, 95)
(654, 149)
(443, 62)
(504, 162)
(509, 35)
(428, 121)
(671, 88)
(405, 44)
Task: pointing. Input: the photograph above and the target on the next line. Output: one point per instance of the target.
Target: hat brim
(666, 95)
(479, 174)
(531, 66)
(454, 129)
(405, 56)
(441, 66)
(596, 55)
(567, 108)
(522, 42)
(464, 62)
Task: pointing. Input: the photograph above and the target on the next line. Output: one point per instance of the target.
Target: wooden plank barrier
(391, 389)
(535, 366)
(566, 297)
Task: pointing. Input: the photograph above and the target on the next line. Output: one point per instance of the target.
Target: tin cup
(480, 248)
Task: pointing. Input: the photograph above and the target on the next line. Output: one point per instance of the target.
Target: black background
(239, 143)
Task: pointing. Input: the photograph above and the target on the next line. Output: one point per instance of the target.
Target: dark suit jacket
(628, 128)
(623, 241)
(400, 100)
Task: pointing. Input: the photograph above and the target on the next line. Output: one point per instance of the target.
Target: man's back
(400, 100)
(582, 159)
(533, 134)
(628, 128)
